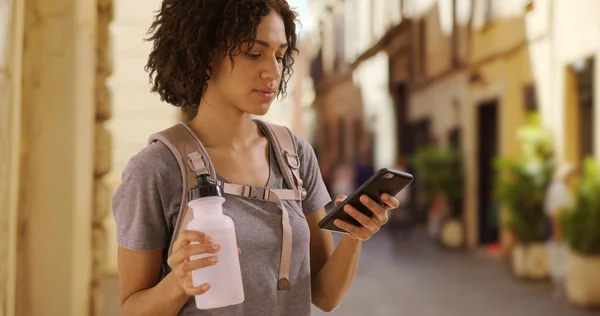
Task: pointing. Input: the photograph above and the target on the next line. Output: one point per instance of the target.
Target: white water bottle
(225, 277)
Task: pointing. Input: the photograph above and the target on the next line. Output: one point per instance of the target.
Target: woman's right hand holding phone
(190, 243)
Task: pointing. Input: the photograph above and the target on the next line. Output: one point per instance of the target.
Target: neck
(219, 123)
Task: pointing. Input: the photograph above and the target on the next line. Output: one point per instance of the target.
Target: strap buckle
(255, 193)
(292, 160)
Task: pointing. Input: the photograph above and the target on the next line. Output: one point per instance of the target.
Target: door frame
(478, 95)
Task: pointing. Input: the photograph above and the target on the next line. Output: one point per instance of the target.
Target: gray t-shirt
(145, 208)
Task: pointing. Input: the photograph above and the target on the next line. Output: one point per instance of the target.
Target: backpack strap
(192, 160)
(285, 153)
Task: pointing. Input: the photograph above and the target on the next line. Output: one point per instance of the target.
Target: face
(252, 84)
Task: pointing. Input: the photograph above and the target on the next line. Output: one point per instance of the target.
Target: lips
(265, 94)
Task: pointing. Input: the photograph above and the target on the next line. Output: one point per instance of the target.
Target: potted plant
(441, 174)
(521, 188)
(581, 228)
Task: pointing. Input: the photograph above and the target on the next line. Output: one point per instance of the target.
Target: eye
(280, 59)
(253, 55)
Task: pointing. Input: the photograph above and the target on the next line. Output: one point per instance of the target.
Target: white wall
(372, 78)
(444, 103)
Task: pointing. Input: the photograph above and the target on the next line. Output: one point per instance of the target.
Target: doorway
(420, 138)
(487, 127)
(402, 124)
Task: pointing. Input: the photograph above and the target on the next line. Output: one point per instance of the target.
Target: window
(530, 100)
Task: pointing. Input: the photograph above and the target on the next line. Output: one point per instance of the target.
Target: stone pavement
(417, 278)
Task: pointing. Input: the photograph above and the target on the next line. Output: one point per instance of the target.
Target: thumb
(339, 199)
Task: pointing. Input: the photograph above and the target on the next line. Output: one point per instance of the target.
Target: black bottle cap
(205, 188)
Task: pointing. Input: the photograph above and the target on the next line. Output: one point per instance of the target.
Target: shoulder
(303, 146)
(154, 160)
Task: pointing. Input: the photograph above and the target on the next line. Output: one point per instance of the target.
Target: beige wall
(438, 45)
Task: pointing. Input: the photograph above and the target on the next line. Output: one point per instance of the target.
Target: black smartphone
(383, 181)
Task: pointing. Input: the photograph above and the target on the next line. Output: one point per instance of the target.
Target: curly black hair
(187, 34)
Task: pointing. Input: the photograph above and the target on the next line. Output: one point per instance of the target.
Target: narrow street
(417, 278)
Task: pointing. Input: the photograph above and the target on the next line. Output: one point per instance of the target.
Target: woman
(228, 59)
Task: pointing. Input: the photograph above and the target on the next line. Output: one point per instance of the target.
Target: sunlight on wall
(372, 77)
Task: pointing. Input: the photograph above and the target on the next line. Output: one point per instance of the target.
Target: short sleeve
(317, 195)
(138, 210)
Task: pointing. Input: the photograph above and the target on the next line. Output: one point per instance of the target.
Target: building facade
(465, 74)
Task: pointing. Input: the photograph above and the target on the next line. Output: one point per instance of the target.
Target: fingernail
(208, 239)
(205, 287)
(347, 209)
(213, 259)
(215, 247)
(364, 199)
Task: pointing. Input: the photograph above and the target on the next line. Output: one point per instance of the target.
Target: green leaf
(581, 222)
(522, 182)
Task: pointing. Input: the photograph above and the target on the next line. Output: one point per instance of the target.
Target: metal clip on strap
(256, 193)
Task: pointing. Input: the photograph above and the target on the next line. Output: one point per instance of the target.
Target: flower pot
(582, 283)
(530, 261)
(452, 234)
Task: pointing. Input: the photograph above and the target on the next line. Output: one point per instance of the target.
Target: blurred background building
(378, 83)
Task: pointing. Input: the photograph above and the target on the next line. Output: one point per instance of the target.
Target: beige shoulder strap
(285, 153)
(192, 159)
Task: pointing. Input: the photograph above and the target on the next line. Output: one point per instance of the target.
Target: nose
(271, 69)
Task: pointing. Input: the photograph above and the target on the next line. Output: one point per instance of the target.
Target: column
(11, 36)
(58, 165)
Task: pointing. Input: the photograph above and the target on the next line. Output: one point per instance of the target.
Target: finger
(390, 201)
(192, 265)
(188, 236)
(373, 206)
(361, 218)
(239, 251)
(380, 219)
(360, 233)
(184, 253)
(191, 291)
(339, 199)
